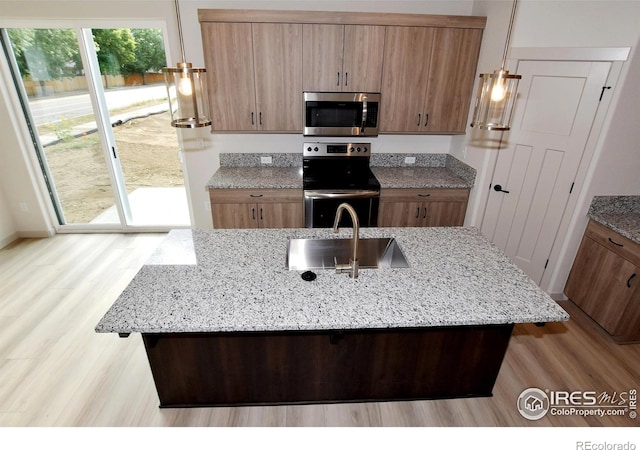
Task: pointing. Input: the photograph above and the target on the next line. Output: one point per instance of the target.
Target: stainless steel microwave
(341, 113)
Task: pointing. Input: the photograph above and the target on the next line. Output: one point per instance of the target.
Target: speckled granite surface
(265, 177)
(618, 213)
(244, 171)
(240, 283)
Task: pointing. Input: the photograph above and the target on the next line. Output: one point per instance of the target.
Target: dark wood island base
(262, 368)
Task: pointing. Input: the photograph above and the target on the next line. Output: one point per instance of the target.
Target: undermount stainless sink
(373, 253)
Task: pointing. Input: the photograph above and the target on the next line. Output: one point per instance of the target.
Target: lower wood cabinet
(422, 207)
(605, 282)
(256, 208)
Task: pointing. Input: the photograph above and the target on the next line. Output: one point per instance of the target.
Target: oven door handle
(341, 194)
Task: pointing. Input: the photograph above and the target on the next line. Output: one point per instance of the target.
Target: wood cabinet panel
(405, 76)
(363, 56)
(614, 242)
(277, 55)
(422, 207)
(256, 208)
(451, 79)
(322, 51)
(343, 58)
(228, 55)
(605, 285)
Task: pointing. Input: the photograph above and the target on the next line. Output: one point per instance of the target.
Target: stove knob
(364, 149)
(315, 149)
(351, 149)
(358, 149)
(309, 148)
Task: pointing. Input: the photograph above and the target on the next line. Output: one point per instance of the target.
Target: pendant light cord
(506, 44)
(184, 59)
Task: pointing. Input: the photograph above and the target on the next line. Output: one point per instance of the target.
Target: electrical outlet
(266, 160)
(410, 160)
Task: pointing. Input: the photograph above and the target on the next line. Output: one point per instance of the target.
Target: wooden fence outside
(40, 88)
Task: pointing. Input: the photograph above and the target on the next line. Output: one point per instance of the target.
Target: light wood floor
(56, 371)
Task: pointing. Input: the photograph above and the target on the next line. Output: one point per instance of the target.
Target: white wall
(8, 231)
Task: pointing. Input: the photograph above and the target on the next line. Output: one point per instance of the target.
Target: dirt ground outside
(148, 152)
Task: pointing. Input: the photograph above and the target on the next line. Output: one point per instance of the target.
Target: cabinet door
(280, 215)
(277, 56)
(362, 59)
(405, 76)
(451, 79)
(322, 55)
(601, 283)
(444, 214)
(234, 215)
(401, 214)
(228, 54)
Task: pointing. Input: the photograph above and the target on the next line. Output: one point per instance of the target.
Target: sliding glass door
(96, 104)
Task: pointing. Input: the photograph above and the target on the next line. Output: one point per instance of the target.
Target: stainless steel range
(333, 173)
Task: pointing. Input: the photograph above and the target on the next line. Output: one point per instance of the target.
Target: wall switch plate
(410, 160)
(266, 160)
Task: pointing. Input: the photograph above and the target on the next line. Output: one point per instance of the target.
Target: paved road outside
(54, 109)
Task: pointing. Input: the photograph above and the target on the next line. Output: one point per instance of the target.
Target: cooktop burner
(328, 166)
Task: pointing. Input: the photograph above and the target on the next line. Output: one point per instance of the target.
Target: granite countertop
(239, 283)
(245, 171)
(619, 213)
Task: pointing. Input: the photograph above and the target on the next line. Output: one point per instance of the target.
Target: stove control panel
(358, 149)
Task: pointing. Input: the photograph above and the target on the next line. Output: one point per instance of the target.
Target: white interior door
(535, 170)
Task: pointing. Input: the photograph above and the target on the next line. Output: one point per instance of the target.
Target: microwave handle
(364, 115)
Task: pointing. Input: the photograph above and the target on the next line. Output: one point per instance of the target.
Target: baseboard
(36, 234)
(8, 240)
(558, 296)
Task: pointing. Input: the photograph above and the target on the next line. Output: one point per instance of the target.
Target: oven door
(320, 207)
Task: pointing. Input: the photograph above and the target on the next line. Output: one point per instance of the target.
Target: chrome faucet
(352, 267)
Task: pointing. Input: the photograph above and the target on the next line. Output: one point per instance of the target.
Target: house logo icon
(533, 404)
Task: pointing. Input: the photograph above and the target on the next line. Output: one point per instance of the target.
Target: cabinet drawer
(424, 195)
(255, 195)
(614, 242)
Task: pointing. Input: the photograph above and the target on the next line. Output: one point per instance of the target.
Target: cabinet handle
(425, 213)
(338, 80)
(255, 195)
(426, 120)
(615, 243)
(629, 280)
(253, 213)
(260, 117)
(252, 122)
(419, 118)
(261, 217)
(417, 212)
(346, 78)
(424, 195)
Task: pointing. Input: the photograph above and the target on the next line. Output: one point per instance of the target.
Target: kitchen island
(225, 322)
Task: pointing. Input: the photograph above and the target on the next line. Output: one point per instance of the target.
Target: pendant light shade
(497, 93)
(187, 91)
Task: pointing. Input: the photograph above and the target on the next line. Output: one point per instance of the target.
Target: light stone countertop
(620, 213)
(291, 178)
(240, 284)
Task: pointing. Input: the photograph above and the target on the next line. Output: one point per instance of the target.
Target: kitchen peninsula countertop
(244, 171)
(236, 281)
(618, 213)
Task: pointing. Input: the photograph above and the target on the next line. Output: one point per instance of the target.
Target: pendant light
(187, 90)
(497, 93)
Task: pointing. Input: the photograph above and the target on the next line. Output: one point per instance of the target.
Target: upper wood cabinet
(342, 58)
(255, 79)
(260, 62)
(427, 80)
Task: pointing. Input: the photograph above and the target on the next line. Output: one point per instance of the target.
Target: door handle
(629, 280)
(425, 213)
(417, 212)
(498, 188)
(419, 118)
(615, 243)
(252, 122)
(338, 82)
